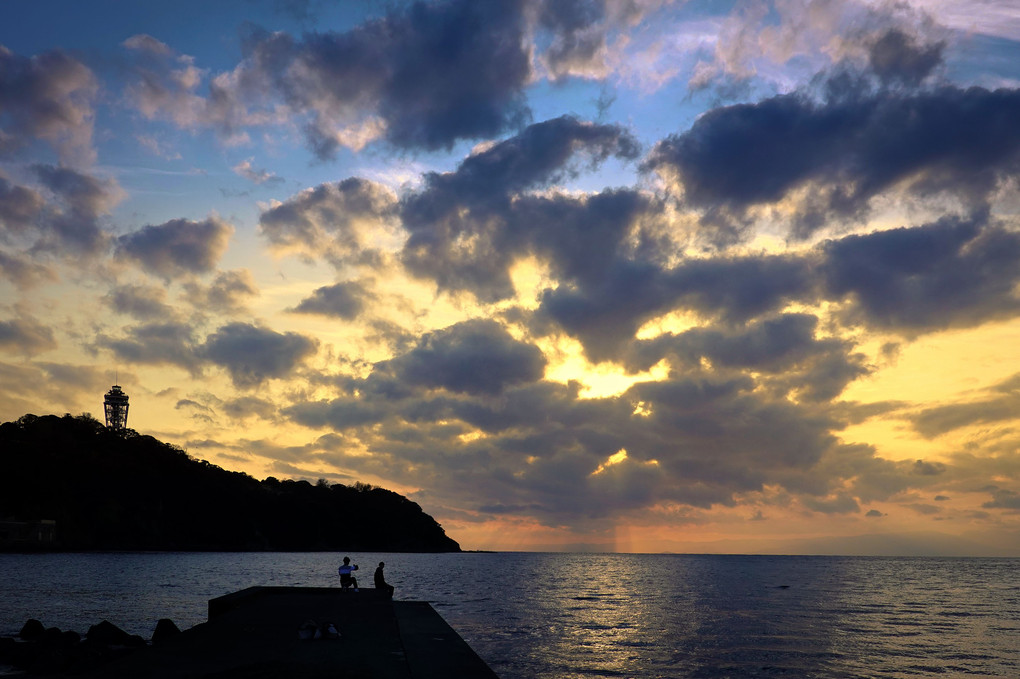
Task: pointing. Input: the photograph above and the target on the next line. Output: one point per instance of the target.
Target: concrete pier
(253, 634)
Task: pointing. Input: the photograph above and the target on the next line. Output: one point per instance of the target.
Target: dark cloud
(568, 460)
(951, 273)
(474, 357)
(849, 149)
(248, 406)
(579, 36)
(24, 272)
(925, 468)
(606, 315)
(192, 404)
(344, 300)
(785, 349)
(1003, 499)
(68, 221)
(252, 354)
(925, 509)
(897, 58)
(26, 336)
(329, 220)
(48, 96)
(168, 343)
(140, 301)
(1002, 406)
(432, 74)
(469, 226)
(177, 248)
(20, 208)
(228, 293)
(542, 154)
(842, 503)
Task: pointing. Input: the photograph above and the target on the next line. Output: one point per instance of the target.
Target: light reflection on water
(611, 615)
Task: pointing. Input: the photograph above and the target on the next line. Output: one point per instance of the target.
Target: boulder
(105, 633)
(32, 630)
(166, 630)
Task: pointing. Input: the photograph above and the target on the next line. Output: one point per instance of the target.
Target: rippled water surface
(591, 615)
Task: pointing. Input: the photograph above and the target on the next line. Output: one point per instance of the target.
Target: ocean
(555, 616)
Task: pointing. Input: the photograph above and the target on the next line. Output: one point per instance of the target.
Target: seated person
(346, 579)
(380, 581)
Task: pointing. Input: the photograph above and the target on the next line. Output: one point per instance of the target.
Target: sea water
(595, 615)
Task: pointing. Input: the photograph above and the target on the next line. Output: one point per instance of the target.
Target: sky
(578, 275)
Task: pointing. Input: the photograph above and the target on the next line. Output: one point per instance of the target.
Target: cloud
(951, 273)
(1001, 406)
(607, 314)
(244, 407)
(166, 86)
(844, 151)
(433, 73)
(899, 42)
(253, 354)
(70, 221)
(26, 336)
(784, 350)
(344, 300)
(474, 357)
(61, 215)
(538, 446)
(49, 96)
(228, 293)
(1003, 499)
(330, 220)
(579, 33)
(896, 57)
(23, 272)
(422, 76)
(157, 147)
(142, 302)
(20, 208)
(166, 343)
(466, 228)
(255, 175)
(177, 248)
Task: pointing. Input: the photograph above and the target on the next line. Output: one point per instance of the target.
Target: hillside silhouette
(109, 491)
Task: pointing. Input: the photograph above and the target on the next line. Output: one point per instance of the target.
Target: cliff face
(110, 492)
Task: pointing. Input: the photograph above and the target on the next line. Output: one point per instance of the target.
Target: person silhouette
(346, 577)
(380, 582)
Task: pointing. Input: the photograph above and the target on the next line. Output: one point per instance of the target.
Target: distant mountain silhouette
(130, 492)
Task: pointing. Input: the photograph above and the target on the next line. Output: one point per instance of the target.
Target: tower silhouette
(116, 407)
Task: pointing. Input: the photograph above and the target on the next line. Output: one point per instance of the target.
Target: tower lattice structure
(116, 407)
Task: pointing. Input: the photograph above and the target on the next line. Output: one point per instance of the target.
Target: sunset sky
(620, 275)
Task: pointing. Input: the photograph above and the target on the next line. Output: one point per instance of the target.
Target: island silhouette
(69, 484)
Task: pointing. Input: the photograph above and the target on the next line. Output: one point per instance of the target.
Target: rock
(52, 637)
(135, 640)
(105, 633)
(165, 631)
(32, 630)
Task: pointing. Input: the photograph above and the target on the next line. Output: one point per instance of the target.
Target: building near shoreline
(16, 534)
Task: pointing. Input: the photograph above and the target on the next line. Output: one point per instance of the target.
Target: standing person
(346, 577)
(380, 582)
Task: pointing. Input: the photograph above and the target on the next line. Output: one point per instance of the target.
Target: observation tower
(116, 407)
